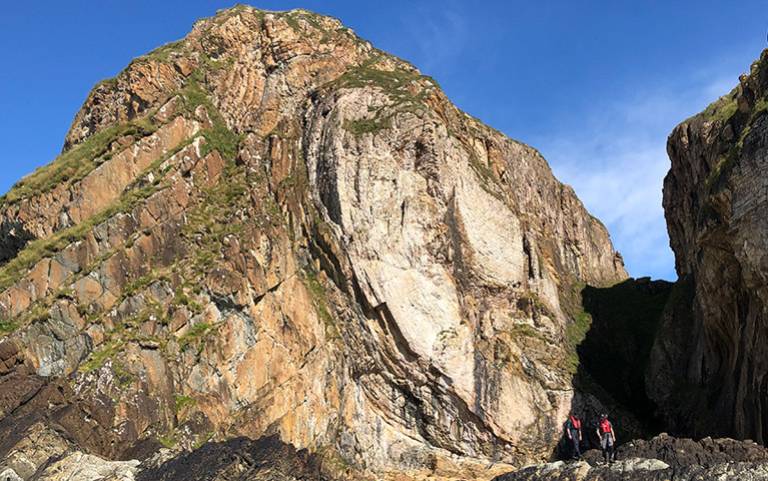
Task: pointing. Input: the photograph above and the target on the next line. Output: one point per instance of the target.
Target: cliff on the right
(708, 369)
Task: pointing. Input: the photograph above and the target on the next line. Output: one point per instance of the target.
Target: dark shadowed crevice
(13, 238)
(615, 353)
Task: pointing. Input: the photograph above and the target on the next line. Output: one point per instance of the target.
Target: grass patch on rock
(722, 109)
(194, 334)
(164, 53)
(320, 301)
(167, 440)
(77, 162)
(575, 333)
(182, 403)
(39, 249)
(7, 327)
(99, 358)
(36, 250)
(406, 89)
(367, 126)
(218, 136)
(727, 161)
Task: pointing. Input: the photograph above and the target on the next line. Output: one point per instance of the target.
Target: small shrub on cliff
(100, 357)
(194, 334)
(123, 376)
(7, 327)
(182, 402)
(167, 440)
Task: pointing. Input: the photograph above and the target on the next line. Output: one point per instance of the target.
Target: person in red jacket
(573, 432)
(607, 438)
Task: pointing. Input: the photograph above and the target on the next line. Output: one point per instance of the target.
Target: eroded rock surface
(272, 228)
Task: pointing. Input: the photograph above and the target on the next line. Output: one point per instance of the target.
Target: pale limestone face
(415, 218)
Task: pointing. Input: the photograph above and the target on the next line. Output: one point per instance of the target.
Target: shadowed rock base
(661, 458)
(638, 470)
(267, 459)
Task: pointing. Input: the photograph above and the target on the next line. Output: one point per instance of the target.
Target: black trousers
(576, 445)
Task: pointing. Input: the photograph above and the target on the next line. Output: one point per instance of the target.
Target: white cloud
(616, 161)
(620, 180)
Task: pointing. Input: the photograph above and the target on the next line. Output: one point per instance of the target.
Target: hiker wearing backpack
(573, 432)
(607, 438)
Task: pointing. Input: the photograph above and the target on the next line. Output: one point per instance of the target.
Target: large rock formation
(709, 366)
(272, 228)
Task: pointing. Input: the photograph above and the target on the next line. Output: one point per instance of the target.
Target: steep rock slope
(272, 228)
(709, 367)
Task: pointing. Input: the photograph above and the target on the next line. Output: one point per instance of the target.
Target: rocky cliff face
(708, 370)
(272, 228)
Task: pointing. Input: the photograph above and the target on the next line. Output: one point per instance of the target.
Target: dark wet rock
(661, 458)
(679, 452)
(267, 459)
(639, 470)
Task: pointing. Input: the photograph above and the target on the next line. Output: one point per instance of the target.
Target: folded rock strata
(270, 227)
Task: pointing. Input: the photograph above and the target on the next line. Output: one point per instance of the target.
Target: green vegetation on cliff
(735, 114)
(218, 136)
(722, 109)
(39, 249)
(406, 89)
(76, 163)
(575, 333)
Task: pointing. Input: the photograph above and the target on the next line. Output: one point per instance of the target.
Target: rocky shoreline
(661, 458)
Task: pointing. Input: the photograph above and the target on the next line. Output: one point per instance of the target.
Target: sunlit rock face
(271, 228)
(709, 366)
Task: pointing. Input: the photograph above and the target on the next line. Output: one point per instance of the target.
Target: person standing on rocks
(573, 432)
(607, 438)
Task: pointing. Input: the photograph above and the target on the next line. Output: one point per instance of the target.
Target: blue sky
(596, 86)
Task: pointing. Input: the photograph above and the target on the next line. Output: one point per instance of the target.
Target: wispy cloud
(440, 34)
(616, 161)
